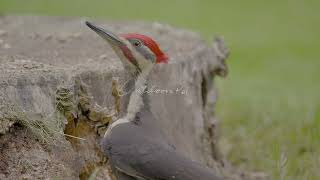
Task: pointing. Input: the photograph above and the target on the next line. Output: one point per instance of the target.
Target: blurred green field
(270, 102)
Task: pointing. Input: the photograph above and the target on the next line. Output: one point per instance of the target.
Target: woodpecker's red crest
(151, 44)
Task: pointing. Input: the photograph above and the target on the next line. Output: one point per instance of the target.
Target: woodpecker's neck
(138, 98)
(138, 101)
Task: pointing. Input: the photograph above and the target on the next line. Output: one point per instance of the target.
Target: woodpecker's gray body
(138, 150)
(134, 144)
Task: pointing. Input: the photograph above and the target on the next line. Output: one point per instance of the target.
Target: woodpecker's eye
(137, 43)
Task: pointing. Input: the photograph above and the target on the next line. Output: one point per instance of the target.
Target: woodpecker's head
(136, 51)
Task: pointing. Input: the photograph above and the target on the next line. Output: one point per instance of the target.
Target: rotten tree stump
(57, 77)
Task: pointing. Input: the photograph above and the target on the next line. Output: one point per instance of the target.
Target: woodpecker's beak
(107, 35)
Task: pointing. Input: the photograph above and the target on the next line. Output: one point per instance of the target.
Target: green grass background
(270, 103)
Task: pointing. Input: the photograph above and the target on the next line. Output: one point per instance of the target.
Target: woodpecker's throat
(138, 99)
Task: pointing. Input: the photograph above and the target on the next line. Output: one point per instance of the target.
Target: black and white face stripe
(143, 50)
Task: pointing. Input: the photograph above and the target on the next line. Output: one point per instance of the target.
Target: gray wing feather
(153, 161)
(165, 164)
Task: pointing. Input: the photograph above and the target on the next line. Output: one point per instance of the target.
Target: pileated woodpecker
(134, 144)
